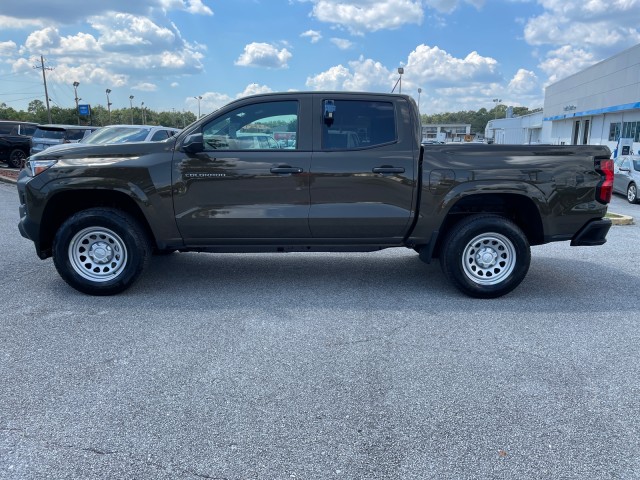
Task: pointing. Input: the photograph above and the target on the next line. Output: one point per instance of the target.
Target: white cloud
(523, 82)
(8, 48)
(362, 75)
(602, 26)
(448, 6)
(254, 89)
(566, 61)
(359, 16)
(145, 87)
(432, 65)
(313, 35)
(122, 31)
(38, 13)
(342, 43)
(198, 8)
(332, 79)
(263, 55)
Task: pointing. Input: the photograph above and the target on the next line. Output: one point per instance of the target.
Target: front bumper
(592, 234)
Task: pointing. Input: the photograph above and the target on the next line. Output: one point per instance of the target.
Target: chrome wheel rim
(632, 193)
(97, 254)
(489, 259)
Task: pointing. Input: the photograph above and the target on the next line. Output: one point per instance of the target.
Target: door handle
(388, 169)
(286, 169)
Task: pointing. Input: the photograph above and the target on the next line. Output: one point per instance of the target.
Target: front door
(245, 184)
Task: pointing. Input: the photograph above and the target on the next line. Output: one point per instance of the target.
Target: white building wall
(582, 107)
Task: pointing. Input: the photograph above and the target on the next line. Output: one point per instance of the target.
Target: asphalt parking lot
(314, 366)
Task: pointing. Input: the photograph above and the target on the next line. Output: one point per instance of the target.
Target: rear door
(235, 189)
(363, 167)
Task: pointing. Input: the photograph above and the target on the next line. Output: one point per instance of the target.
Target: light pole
(108, 104)
(400, 72)
(131, 107)
(75, 90)
(199, 97)
(419, 92)
(144, 121)
(497, 102)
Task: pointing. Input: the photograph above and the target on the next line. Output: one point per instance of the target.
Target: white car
(122, 134)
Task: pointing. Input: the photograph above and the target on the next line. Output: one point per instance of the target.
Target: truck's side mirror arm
(193, 143)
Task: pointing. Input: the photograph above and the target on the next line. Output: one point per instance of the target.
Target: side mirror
(193, 143)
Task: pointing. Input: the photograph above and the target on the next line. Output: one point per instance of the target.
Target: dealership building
(597, 106)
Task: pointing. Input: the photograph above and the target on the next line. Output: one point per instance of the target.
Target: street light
(143, 118)
(131, 105)
(419, 92)
(497, 102)
(75, 90)
(108, 104)
(199, 97)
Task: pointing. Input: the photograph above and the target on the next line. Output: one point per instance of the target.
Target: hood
(80, 151)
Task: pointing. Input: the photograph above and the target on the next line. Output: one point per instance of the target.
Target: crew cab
(358, 179)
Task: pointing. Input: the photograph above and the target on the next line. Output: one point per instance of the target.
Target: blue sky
(462, 54)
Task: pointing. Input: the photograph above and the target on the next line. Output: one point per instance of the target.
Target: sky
(461, 54)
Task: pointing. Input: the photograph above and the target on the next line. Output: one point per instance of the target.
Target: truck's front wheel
(100, 251)
(485, 256)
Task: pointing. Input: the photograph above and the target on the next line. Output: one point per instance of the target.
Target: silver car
(626, 176)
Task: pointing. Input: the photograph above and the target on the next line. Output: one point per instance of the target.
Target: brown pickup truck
(312, 171)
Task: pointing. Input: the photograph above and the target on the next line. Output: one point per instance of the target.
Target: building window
(631, 130)
(614, 132)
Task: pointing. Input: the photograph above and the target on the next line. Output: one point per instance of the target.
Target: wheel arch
(64, 204)
(520, 209)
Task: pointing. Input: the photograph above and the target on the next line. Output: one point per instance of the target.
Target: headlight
(36, 167)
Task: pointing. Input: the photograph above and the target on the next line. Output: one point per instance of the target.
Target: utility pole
(44, 79)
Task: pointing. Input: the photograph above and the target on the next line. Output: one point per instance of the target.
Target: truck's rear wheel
(100, 251)
(485, 256)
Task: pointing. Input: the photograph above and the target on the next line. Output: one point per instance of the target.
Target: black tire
(485, 256)
(632, 193)
(100, 251)
(16, 158)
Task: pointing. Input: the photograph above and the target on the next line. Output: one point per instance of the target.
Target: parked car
(626, 176)
(15, 141)
(122, 134)
(47, 135)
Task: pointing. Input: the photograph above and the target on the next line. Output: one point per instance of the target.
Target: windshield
(117, 135)
(54, 134)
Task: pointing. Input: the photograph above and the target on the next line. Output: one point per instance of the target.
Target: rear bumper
(592, 234)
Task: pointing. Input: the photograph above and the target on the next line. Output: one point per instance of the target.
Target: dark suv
(47, 135)
(15, 141)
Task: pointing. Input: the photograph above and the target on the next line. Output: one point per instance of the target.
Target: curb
(619, 219)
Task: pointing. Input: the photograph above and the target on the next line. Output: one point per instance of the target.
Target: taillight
(605, 187)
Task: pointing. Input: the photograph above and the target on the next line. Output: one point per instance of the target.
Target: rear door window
(355, 124)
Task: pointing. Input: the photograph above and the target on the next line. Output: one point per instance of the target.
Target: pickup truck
(354, 177)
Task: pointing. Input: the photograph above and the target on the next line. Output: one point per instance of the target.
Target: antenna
(44, 79)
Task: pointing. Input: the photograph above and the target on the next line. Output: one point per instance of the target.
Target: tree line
(477, 119)
(37, 113)
(100, 116)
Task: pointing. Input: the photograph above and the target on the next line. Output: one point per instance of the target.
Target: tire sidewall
(16, 158)
(118, 222)
(635, 200)
(457, 241)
